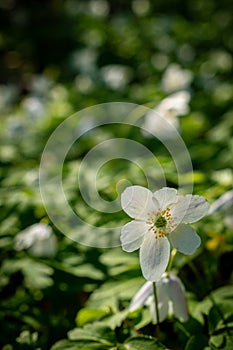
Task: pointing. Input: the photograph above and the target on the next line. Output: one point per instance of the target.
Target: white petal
(185, 239)
(141, 296)
(223, 203)
(154, 256)
(163, 309)
(132, 235)
(176, 294)
(198, 207)
(136, 201)
(45, 248)
(163, 299)
(189, 208)
(165, 196)
(163, 302)
(33, 233)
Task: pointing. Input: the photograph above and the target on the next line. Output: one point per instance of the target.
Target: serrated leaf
(118, 257)
(93, 332)
(223, 293)
(78, 345)
(110, 292)
(115, 320)
(145, 343)
(36, 274)
(64, 344)
(88, 270)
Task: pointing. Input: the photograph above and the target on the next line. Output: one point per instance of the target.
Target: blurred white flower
(140, 7)
(40, 85)
(171, 298)
(83, 83)
(116, 76)
(34, 107)
(169, 109)
(38, 239)
(99, 8)
(224, 204)
(160, 219)
(84, 60)
(175, 78)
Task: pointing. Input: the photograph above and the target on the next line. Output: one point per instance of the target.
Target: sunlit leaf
(145, 343)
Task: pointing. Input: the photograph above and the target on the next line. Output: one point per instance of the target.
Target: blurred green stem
(156, 308)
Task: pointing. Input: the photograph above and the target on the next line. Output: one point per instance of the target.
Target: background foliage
(58, 57)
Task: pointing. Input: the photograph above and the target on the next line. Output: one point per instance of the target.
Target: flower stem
(156, 308)
(172, 256)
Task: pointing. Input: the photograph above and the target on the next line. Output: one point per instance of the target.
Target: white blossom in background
(84, 60)
(116, 76)
(34, 107)
(169, 108)
(99, 8)
(175, 78)
(38, 239)
(40, 86)
(140, 7)
(171, 298)
(160, 219)
(224, 204)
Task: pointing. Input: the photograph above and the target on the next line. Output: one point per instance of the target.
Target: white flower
(116, 76)
(169, 108)
(34, 107)
(38, 239)
(171, 298)
(174, 105)
(175, 78)
(160, 218)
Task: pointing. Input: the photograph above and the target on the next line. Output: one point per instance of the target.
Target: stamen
(160, 222)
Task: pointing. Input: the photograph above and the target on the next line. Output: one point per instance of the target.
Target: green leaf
(214, 318)
(144, 319)
(223, 293)
(110, 292)
(115, 320)
(119, 262)
(36, 274)
(84, 270)
(64, 344)
(89, 315)
(90, 271)
(220, 315)
(95, 332)
(145, 343)
(78, 345)
(221, 297)
(197, 341)
(217, 341)
(117, 256)
(223, 342)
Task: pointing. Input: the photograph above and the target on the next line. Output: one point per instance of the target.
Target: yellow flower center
(160, 222)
